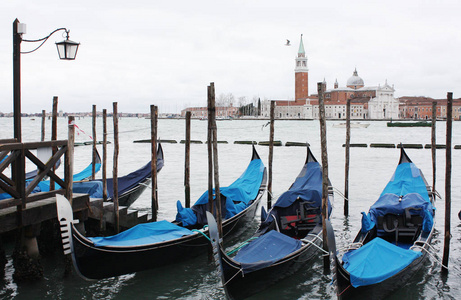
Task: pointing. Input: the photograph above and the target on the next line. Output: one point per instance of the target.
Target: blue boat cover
(44, 186)
(406, 189)
(237, 195)
(307, 186)
(266, 250)
(144, 234)
(376, 261)
(92, 188)
(127, 182)
(407, 179)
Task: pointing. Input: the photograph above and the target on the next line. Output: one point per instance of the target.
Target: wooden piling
(69, 158)
(153, 137)
(215, 159)
(346, 167)
(54, 133)
(115, 169)
(104, 154)
(446, 248)
(210, 153)
(323, 138)
(93, 167)
(271, 155)
(187, 161)
(43, 126)
(433, 143)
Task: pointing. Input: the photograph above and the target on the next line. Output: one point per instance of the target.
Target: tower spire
(301, 74)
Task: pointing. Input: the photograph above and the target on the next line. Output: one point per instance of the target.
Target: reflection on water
(370, 170)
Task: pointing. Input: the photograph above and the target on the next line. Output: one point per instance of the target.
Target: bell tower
(301, 74)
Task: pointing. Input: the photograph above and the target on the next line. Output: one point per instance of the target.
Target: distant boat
(353, 125)
(409, 124)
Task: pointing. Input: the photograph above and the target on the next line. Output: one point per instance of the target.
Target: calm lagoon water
(370, 170)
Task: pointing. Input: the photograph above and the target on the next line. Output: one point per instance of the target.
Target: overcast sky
(139, 53)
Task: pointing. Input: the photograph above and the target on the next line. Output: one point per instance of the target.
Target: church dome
(355, 81)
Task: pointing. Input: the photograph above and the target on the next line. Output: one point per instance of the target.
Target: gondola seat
(399, 228)
(301, 223)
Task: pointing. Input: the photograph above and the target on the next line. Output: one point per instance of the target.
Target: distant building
(373, 102)
(202, 112)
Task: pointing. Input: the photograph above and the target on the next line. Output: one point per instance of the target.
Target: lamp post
(67, 50)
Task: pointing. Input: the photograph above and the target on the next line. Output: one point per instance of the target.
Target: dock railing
(14, 154)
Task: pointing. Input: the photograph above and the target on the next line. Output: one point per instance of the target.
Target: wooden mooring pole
(214, 131)
(43, 126)
(323, 138)
(104, 154)
(102, 223)
(210, 152)
(433, 143)
(446, 248)
(153, 132)
(93, 167)
(348, 145)
(69, 158)
(115, 169)
(187, 162)
(271, 156)
(54, 133)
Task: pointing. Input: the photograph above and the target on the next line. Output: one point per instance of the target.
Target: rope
(431, 255)
(202, 233)
(312, 243)
(339, 193)
(241, 245)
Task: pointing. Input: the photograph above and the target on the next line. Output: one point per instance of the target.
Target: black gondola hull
(103, 262)
(379, 290)
(240, 286)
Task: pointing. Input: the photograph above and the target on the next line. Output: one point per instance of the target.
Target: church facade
(367, 102)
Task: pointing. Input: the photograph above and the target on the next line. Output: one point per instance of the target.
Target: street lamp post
(67, 50)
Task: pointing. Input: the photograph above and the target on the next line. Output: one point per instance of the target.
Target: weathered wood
(54, 131)
(323, 138)
(93, 166)
(271, 155)
(346, 167)
(215, 159)
(115, 169)
(210, 152)
(104, 154)
(38, 211)
(43, 125)
(69, 159)
(187, 161)
(433, 143)
(446, 248)
(153, 128)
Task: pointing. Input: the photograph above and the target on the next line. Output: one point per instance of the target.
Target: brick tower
(301, 74)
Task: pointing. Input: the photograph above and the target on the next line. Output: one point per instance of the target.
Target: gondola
(286, 240)
(151, 245)
(393, 241)
(131, 186)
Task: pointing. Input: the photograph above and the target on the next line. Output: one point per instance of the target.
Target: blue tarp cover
(243, 190)
(406, 179)
(92, 188)
(144, 234)
(405, 189)
(376, 261)
(44, 186)
(266, 250)
(307, 186)
(127, 182)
